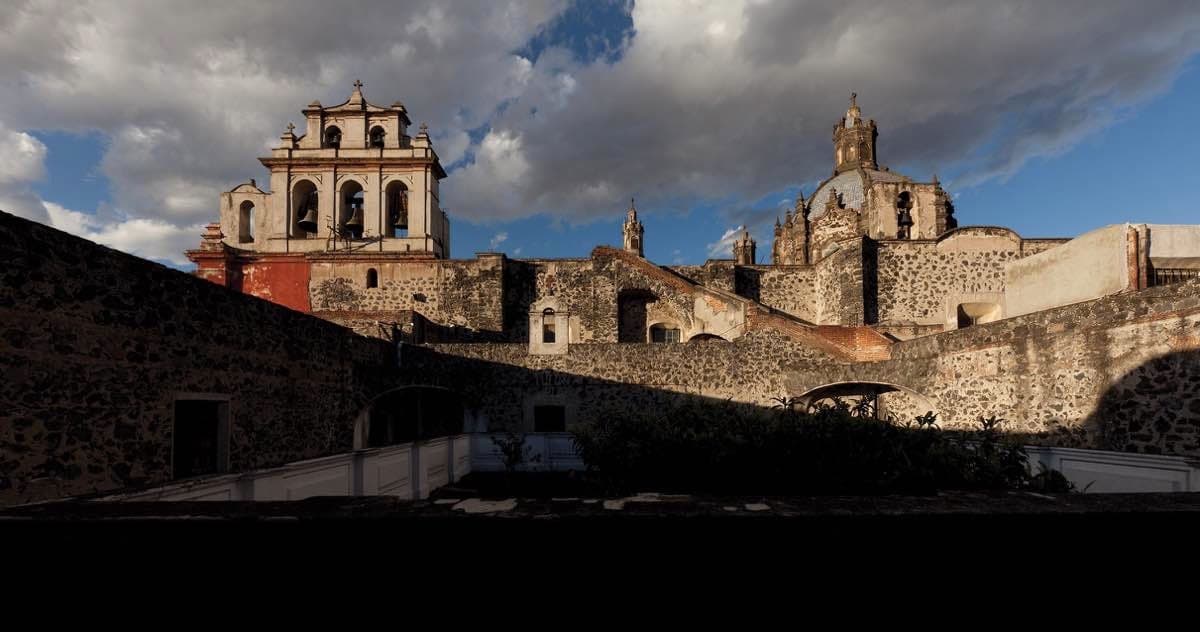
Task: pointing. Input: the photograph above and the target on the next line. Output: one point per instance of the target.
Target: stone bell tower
(352, 180)
(743, 249)
(632, 231)
(854, 140)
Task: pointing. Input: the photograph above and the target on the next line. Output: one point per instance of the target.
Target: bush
(727, 448)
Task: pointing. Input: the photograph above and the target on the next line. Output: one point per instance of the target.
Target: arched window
(246, 222)
(662, 332)
(904, 219)
(396, 196)
(350, 216)
(372, 277)
(377, 135)
(305, 212)
(333, 136)
(548, 325)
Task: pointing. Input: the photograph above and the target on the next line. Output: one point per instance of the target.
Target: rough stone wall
(832, 227)
(502, 381)
(464, 294)
(95, 346)
(720, 274)
(915, 277)
(839, 286)
(1121, 372)
(791, 289)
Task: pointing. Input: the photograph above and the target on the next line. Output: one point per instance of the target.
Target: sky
(123, 121)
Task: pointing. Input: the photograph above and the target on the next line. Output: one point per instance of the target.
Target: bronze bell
(308, 223)
(401, 218)
(356, 218)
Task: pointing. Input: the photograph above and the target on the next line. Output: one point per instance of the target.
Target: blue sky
(551, 116)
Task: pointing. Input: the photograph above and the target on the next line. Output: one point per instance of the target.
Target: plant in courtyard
(513, 450)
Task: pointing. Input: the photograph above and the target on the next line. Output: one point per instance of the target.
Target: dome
(851, 186)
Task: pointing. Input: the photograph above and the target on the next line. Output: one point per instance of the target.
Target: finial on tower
(853, 99)
(291, 127)
(358, 84)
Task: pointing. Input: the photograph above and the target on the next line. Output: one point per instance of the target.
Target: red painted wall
(283, 281)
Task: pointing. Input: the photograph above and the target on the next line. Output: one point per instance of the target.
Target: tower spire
(632, 230)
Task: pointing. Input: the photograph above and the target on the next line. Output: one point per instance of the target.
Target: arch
(372, 277)
(396, 196)
(304, 199)
(548, 320)
(705, 337)
(246, 222)
(664, 332)
(874, 399)
(351, 199)
(409, 413)
(977, 313)
(377, 136)
(332, 138)
(632, 307)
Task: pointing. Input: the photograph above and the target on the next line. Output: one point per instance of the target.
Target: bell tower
(854, 140)
(632, 231)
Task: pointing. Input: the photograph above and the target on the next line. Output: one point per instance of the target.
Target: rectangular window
(200, 441)
(550, 418)
(548, 333)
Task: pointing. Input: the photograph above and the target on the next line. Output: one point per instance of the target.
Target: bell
(356, 218)
(401, 219)
(308, 223)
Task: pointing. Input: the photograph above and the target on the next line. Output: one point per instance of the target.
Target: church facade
(352, 230)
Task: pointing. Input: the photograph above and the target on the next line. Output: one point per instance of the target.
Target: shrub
(727, 448)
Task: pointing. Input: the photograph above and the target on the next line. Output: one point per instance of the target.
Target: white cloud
(709, 103)
(145, 237)
(498, 239)
(723, 247)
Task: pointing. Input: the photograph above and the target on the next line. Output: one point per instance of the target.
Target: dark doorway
(549, 418)
(632, 304)
(199, 440)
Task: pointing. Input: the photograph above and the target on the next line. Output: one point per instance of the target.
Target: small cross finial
(291, 128)
(853, 99)
(631, 204)
(358, 84)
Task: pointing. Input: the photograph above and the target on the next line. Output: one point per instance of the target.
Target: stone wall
(502, 382)
(840, 298)
(464, 294)
(1121, 372)
(96, 346)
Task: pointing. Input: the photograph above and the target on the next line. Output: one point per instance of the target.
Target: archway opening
(333, 137)
(869, 400)
(707, 338)
(632, 306)
(977, 313)
(246, 222)
(396, 195)
(305, 209)
(413, 413)
(377, 136)
(350, 217)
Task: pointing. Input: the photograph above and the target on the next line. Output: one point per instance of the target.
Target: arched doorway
(410, 413)
(878, 400)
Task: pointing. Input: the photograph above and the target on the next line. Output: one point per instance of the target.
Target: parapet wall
(1120, 372)
(97, 345)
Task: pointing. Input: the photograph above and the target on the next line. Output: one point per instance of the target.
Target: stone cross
(358, 84)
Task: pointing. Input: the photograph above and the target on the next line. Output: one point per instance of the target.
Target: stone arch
(351, 205)
(706, 337)
(396, 202)
(376, 136)
(246, 222)
(664, 331)
(332, 137)
(632, 305)
(894, 400)
(409, 413)
(305, 198)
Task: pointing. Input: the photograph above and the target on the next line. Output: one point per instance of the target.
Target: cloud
(145, 237)
(723, 247)
(700, 104)
(498, 239)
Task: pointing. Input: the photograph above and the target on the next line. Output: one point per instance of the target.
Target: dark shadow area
(414, 413)
(1152, 409)
(631, 314)
(747, 282)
